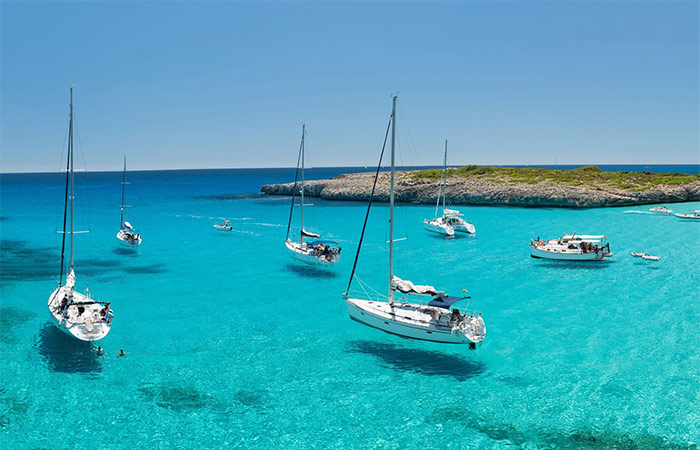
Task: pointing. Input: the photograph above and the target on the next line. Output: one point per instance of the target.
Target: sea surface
(230, 342)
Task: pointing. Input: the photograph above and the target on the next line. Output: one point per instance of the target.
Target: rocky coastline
(476, 190)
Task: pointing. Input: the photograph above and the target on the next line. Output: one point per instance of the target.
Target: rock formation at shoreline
(478, 190)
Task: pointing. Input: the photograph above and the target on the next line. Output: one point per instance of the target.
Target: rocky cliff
(489, 191)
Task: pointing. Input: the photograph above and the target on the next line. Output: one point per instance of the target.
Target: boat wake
(638, 212)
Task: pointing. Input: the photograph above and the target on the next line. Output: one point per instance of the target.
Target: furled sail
(407, 287)
(452, 212)
(309, 234)
(70, 279)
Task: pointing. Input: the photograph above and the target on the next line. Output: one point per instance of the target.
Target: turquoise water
(230, 342)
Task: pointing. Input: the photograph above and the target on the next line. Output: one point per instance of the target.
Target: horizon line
(354, 167)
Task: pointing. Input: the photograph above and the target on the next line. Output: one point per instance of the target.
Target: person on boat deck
(108, 313)
(456, 316)
(63, 304)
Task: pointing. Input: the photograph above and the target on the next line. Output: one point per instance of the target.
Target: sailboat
(451, 220)
(432, 321)
(316, 251)
(74, 313)
(127, 234)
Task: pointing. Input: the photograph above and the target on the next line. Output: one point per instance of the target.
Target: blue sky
(228, 84)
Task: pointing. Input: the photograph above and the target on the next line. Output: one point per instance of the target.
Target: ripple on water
(13, 408)
(11, 317)
(417, 360)
(179, 398)
(21, 262)
(581, 438)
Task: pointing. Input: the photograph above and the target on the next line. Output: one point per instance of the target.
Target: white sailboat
(126, 233)
(74, 313)
(432, 321)
(316, 251)
(451, 220)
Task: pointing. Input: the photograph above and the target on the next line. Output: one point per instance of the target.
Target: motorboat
(226, 226)
(451, 220)
(74, 313)
(695, 215)
(572, 248)
(317, 251)
(420, 311)
(645, 256)
(661, 210)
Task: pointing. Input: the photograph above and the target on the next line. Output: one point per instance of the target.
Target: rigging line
(410, 142)
(63, 149)
(85, 193)
(65, 205)
(369, 204)
(294, 191)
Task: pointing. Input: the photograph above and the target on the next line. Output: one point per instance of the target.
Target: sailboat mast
(444, 179)
(72, 184)
(391, 200)
(303, 132)
(123, 193)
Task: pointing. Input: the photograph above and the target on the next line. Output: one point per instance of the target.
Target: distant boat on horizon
(126, 233)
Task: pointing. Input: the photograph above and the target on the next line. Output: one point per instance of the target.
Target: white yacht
(126, 233)
(661, 210)
(74, 313)
(451, 220)
(317, 251)
(429, 320)
(572, 248)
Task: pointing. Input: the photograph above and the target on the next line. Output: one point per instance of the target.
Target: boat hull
(438, 228)
(300, 252)
(91, 328)
(536, 252)
(688, 216)
(124, 237)
(408, 321)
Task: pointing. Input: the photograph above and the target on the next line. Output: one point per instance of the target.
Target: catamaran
(432, 321)
(572, 248)
(126, 233)
(451, 219)
(316, 251)
(74, 313)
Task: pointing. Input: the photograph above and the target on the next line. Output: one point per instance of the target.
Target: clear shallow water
(229, 341)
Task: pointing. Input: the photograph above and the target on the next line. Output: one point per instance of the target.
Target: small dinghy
(694, 215)
(645, 256)
(226, 226)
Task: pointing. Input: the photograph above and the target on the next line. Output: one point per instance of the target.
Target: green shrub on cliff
(591, 176)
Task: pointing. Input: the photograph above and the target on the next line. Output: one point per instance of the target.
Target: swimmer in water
(99, 351)
(121, 352)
